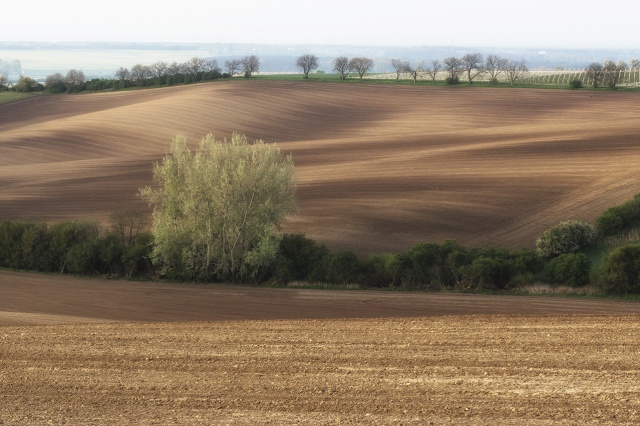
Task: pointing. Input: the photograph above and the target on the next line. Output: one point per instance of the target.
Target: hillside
(380, 167)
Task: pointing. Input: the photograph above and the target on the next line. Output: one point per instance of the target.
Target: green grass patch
(13, 96)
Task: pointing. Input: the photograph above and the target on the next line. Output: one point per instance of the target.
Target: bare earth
(76, 351)
(380, 167)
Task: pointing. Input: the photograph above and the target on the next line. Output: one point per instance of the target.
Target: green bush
(620, 218)
(489, 273)
(571, 269)
(569, 236)
(300, 259)
(342, 267)
(619, 271)
(575, 84)
(378, 270)
(452, 80)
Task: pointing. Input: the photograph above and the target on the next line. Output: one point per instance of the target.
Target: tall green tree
(216, 209)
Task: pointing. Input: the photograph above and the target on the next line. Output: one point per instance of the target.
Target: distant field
(380, 167)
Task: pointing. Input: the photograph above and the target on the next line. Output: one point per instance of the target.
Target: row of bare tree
(470, 65)
(342, 65)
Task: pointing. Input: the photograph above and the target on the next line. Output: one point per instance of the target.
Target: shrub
(619, 272)
(620, 218)
(378, 270)
(566, 237)
(489, 272)
(571, 269)
(342, 267)
(452, 80)
(136, 258)
(575, 84)
(300, 259)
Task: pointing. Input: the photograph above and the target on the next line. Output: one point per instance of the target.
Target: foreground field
(469, 370)
(76, 351)
(380, 167)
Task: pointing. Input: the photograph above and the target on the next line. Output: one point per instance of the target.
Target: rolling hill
(379, 167)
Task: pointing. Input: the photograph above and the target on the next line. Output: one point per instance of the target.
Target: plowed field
(92, 352)
(380, 167)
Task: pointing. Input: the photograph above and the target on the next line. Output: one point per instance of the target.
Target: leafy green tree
(215, 209)
(569, 236)
(26, 84)
(55, 83)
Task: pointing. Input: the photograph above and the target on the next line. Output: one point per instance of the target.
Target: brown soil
(269, 356)
(380, 167)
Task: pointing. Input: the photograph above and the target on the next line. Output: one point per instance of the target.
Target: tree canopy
(215, 210)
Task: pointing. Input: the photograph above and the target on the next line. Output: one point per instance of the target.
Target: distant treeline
(471, 67)
(125, 249)
(157, 74)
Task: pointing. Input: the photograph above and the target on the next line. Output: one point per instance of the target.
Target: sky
(540, 24)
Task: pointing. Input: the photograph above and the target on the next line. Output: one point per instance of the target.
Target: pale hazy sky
(501, 23)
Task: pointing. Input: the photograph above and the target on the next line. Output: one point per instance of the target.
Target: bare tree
(473, 64)
(494, 65)
(453, 67)
(195, 65)
(233, 66)
(140, 73)
(515, 70)
(158, 69)
(74, 80)
(250, 65)
(634, 65)
(128, 224)
(400, 66)
(307, 63)
(361, 65)
(595, 74)
(433, 70)
(174, 68)
(414, 72)
(341, 66)
(613, 73)
(211, 65)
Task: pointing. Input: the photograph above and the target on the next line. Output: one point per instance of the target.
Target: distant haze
(542, 24)
(101, 60)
